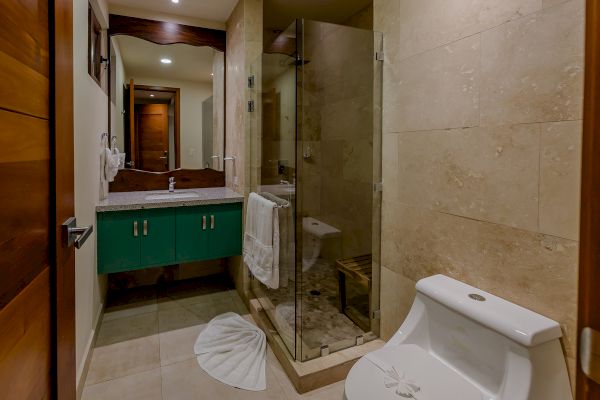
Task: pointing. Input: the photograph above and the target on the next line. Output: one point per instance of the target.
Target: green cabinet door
(192, 230)
(118, 241)
(158, 237)
(225, 225)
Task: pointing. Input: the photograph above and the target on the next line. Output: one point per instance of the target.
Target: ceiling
(212, 10)
(142, 59)
(151, 97)
(279, 14)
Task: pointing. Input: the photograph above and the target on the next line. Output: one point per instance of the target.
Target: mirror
(167, 105)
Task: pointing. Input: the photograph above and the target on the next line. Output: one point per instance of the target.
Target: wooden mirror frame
(165, 33)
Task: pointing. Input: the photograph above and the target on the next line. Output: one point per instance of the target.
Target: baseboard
(89, 351)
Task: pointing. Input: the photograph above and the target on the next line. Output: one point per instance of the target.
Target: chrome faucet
(172, 184)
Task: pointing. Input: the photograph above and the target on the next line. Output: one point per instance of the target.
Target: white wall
(91, 119)
(192, 95)
(116, 111)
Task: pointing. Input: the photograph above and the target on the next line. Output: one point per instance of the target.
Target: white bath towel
(261, 240)
(111, 165)
(233, 351)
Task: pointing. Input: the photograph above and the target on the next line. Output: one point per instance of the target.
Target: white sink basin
(172, 196)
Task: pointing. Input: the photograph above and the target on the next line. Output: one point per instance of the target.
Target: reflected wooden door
(37, 334)
(152, 138)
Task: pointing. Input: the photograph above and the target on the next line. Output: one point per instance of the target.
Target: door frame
(177, 124)
(62, 197)
(589, 251)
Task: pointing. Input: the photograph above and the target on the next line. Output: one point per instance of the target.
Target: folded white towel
(111, 165)
(233, 351)
(261, 240)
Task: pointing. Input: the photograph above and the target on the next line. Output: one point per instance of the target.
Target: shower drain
(315, 292)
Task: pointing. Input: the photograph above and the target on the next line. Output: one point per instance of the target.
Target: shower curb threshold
(312, 374)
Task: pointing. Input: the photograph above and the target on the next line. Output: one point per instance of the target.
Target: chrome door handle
(73, 235)
(145, 227)
(204, 222)
(135, 229)
(212, 222)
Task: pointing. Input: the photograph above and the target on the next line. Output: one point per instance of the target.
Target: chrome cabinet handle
(145, 227)
(135, 228)
(212, 222)
(204, 222)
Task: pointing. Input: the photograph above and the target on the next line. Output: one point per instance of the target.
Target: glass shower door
(338, 163)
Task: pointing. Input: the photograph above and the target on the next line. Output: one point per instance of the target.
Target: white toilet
(460, 343)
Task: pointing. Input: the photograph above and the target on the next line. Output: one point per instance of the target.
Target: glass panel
(274, 172)
(316, 144)
(339, 148)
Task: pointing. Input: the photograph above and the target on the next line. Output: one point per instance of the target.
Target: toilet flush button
(477, 297)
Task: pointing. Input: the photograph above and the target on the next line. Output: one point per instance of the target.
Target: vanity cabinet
(130, 240)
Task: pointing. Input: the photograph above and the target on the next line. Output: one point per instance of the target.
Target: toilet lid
(412, 373)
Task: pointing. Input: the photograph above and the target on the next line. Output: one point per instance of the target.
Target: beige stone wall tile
(560, 178)
(533, 270)
(489, 174)
(397, 296)
(438, 89)
(414, 26)
(532, 68)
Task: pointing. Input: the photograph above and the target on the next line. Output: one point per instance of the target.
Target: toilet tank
(491, 342)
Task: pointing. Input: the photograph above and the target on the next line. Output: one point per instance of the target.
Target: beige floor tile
(130, 310)
(143, 386)
(124, 358)
(177, 317)
(178, 345)
(187, 381)
(123, 329)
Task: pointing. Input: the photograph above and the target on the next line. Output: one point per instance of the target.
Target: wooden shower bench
(360, 270)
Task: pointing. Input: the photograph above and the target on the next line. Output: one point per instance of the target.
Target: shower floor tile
(162, 364)
(322, 321)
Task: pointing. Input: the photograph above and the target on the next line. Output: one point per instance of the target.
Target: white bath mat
(233, 351)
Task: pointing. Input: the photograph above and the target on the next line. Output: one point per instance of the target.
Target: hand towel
(261, 240)
(233, 351)
(111, 165)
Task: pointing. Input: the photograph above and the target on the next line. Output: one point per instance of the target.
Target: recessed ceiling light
(175, 1)
(151, 95)
(166, 60)
(211, 74)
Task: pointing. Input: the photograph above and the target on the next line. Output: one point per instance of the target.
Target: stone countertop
(137, 200)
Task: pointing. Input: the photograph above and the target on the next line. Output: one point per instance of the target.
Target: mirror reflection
(168, 105)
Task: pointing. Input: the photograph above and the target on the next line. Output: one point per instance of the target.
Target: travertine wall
(244, 45)
(482, 106)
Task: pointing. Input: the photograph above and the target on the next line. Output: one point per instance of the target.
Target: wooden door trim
(177, 123)
(62, 197)
(589, 251)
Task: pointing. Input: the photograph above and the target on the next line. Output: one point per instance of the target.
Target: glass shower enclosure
(315, 130)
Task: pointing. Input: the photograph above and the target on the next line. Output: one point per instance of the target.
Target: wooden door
(152, 125)
(37, 335)
(589, 255)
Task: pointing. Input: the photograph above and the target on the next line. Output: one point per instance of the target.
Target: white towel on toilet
(233, 351)
(261, 240)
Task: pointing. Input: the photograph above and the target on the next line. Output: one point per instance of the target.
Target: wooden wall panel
(25, 342)
(130, 180)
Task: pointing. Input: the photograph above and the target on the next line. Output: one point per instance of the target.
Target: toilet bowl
(316, 236)
(459, 342)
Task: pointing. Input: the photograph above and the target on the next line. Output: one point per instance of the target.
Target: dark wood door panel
(22, 88)
(25, 342)
(25, 162)
(24, 32)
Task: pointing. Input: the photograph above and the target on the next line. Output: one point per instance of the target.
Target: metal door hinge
(251, 82)
(376, 314)
(250, 106)
(379, 56)
(589, 353)
(378, 187)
